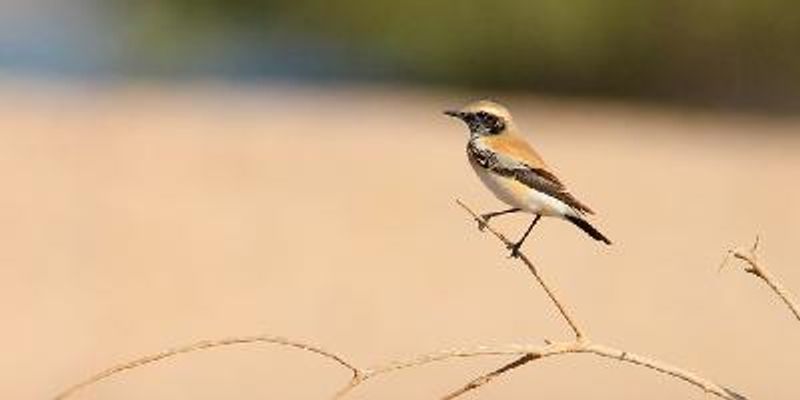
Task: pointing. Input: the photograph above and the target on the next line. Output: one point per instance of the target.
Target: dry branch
(550, 292)
(757, 269)
(581, 344)
(486, 378)
(205, 345)
(525, 353)
(585, 347)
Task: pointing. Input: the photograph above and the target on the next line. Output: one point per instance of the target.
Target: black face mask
(484, 123)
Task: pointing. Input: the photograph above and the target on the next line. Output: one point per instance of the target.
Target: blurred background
(732, 52)
(184, 170)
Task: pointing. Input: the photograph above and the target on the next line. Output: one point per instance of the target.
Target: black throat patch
(483, 157)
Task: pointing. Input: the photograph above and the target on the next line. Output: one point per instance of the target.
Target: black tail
(588, 228)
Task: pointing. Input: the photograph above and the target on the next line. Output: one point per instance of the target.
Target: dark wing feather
(547, 183)
(536, 178)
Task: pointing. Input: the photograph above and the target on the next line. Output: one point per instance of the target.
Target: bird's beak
(455, 114)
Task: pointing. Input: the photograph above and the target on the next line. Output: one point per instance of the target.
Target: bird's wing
(516, 147)
(515, 158)
(547, 183)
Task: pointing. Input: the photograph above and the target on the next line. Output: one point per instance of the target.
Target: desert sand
(137, 217)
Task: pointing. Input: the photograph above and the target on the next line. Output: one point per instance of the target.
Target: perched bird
(515, 173)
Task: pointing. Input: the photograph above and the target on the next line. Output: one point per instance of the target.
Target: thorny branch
(525, 353)
(758, 270)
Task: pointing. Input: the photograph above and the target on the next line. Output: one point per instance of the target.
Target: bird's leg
(486, 217)
(514, 247)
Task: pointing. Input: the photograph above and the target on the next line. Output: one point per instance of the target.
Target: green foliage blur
(713, 52)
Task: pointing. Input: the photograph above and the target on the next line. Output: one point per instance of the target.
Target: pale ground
(137, 218)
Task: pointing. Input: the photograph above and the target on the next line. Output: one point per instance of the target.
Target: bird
(517, 175)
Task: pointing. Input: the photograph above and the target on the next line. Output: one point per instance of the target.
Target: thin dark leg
(486, 217)
(515, 247)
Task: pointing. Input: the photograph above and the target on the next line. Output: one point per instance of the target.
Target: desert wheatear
(515, 173)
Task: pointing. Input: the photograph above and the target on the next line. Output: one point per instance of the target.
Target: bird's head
(483, 117)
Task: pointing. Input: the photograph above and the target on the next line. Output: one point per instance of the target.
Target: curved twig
(585, 347)
(755, 268)
(525, 353)
(429, 358)
(205, 345)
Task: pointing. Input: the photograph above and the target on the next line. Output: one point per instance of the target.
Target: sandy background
(135, 218)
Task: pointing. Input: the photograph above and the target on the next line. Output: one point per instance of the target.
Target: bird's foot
(482, 221)
(514, 247)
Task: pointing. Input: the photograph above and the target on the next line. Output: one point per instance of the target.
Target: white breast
(517, 195)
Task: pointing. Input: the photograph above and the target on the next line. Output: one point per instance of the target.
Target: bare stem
(550, 291)
(205, 345)
(757, 269)
(525, 353)
(486, 378)
(528, 353)
(581, 344)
